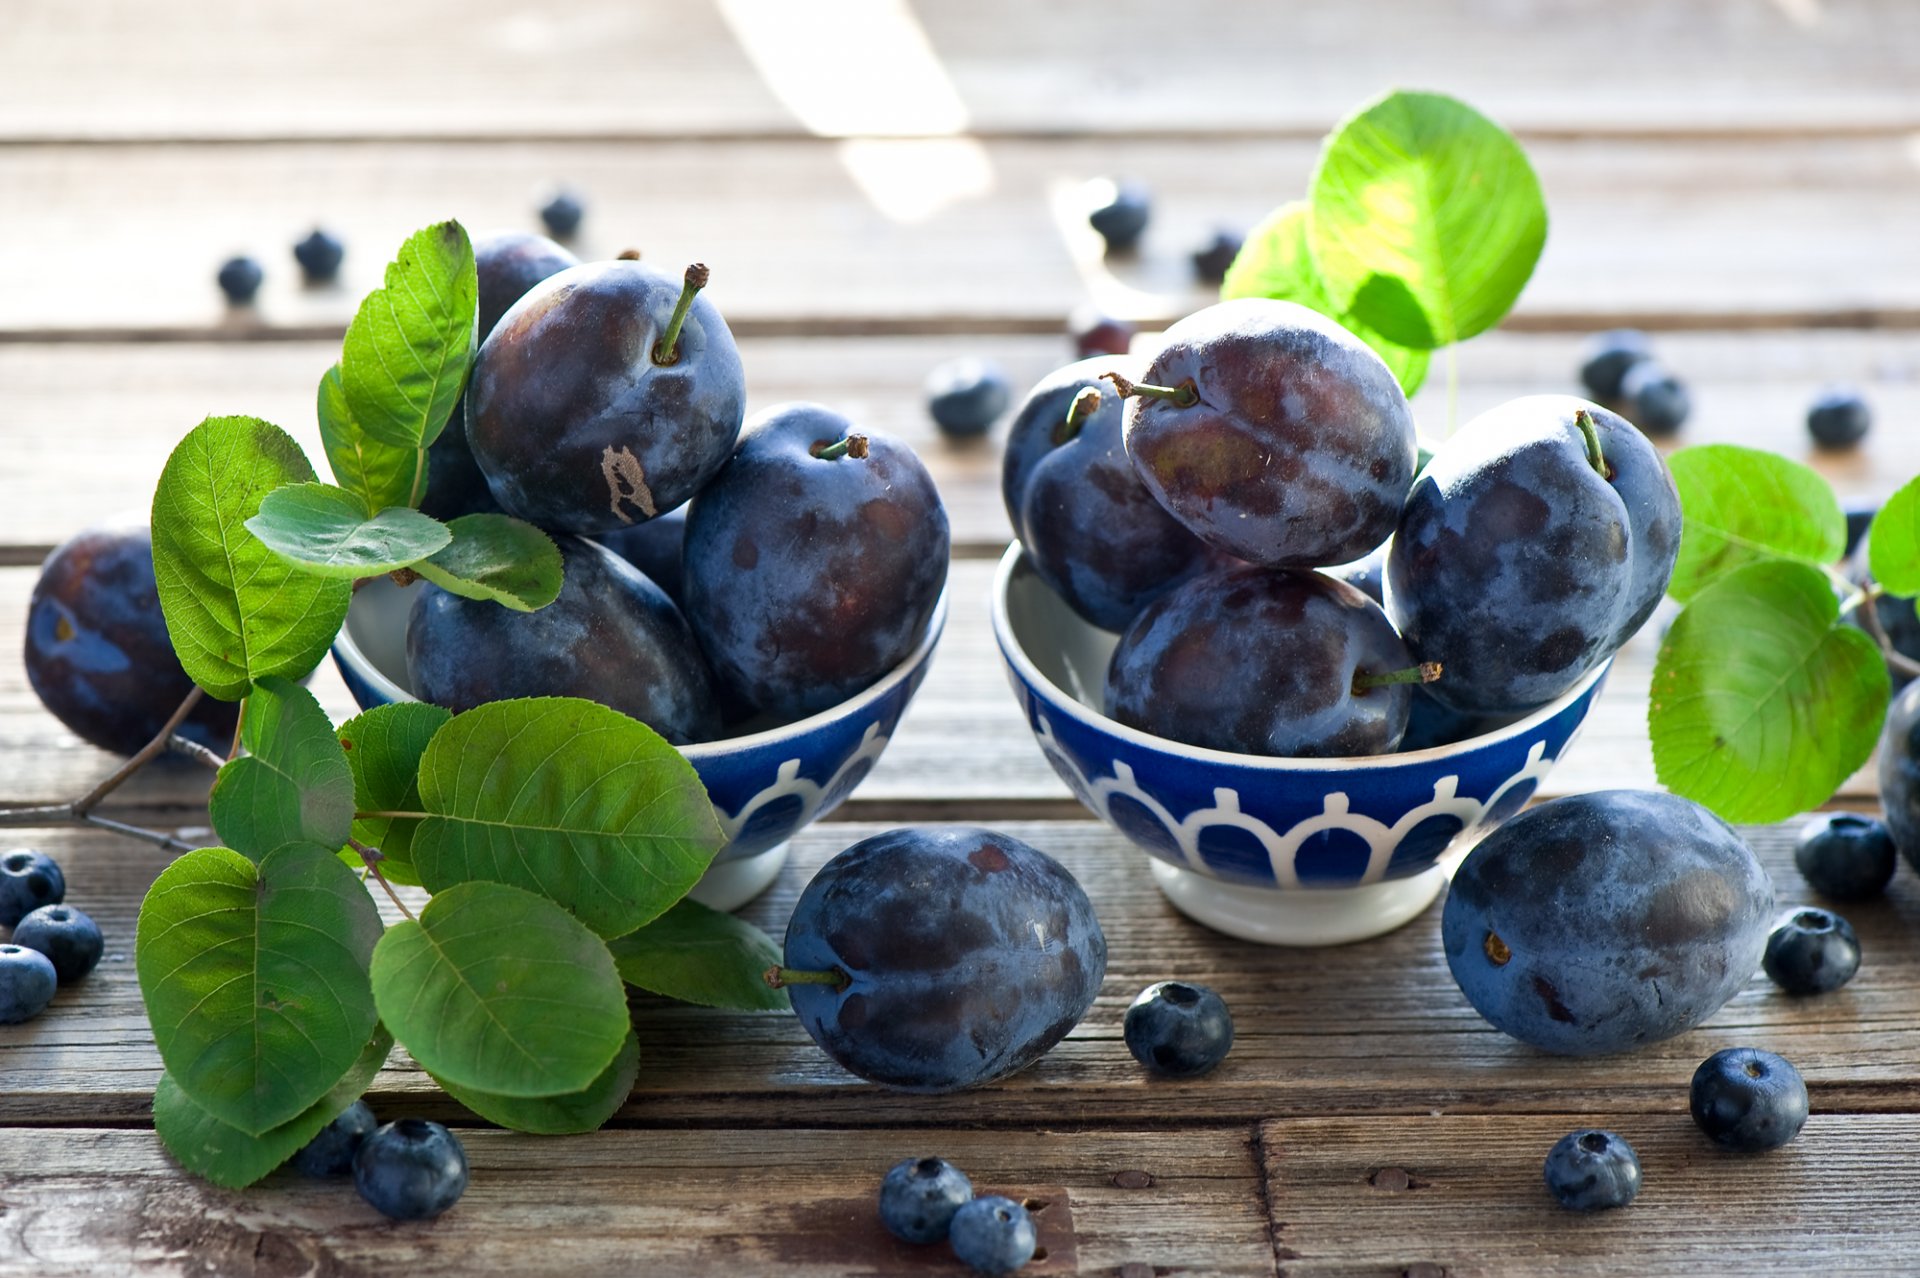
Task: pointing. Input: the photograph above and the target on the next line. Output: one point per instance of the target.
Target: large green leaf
(293, 787)
(1763, 702)
(224, 1154)
(405, 358)
(501, 991)
(383, 748)
(1426, 219)
(380, 474)
(582, 1111)
(499, 558)
(569, 799)
(328, 530)
(698, 955)
(1739, 506)
(255, 979)
(1274, 262)
(1893, 548)
(236, 612)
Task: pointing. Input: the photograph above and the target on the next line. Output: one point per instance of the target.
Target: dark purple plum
(1092, 531)
(611, 636)
(1604, 922)
(1274, 434)
(1094, 332)
(1367, 574)
(930, 960)
(1519, 565)
(1900, 772)
(589, 410)
(657, 548)
(1259, 661)
(814, 560)
(97, 650)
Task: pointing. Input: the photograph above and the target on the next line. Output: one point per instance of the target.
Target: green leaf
(379, 474)
(498, 990)
(405, 358)
(294, 787)
(326, 530)
(255, 979)
(1893, 546)
(1763, 702)
(1275, 263)
(1739, 506)
(569, 799)
(224, 1154)
(582, 1111)
(499, 558)
(1426, 219)
(383, 748)
(236, 612)
(703, 956)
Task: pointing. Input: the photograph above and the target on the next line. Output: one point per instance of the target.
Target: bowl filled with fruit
(1251, 632)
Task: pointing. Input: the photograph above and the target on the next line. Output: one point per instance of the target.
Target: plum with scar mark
(1604, 922)
(607, 395)
(929, 960)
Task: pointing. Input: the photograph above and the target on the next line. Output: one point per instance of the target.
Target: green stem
(854, 446)
(392, 816)
(1583, 422)
(372, 858)
(419, 488)
(1079, 412)
(1185, 395)
(781, 977)
(667, 349)
(1425, 672)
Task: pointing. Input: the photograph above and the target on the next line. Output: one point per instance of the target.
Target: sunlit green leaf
(328, 531)
(1743, 505)
(405, 359)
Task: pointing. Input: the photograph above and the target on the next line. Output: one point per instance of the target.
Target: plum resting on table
(1900, 772)
(611, 636)
(1518, 564)
(1604, 922)
(944, 958)
(1274, 434)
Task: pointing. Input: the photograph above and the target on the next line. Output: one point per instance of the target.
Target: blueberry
(1211, 260)
(331, 1152)
(1097, 333)
(1592, 1170)
(1747, 1099)
(410, 1170)
(28, 880)
(1179, 1030)
(994, 1235)
(1839, 417)
(1813, 952)
(1845, 856)
(1656, 400)
(239, 279)
(319, 256)
(1608, 357)
(919, 1197)
(65, 935)
(967, 396)
(1120, 211)
(27, 982)
(562, 213)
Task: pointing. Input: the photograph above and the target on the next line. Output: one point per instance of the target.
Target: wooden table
(1741, 177)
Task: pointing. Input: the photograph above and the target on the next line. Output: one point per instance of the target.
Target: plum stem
(781, 977)
(1425, 672)
(854, 446)
(628, 255)
(1583, 422)
(1084, 406)
(667, 350)
(1185, 395)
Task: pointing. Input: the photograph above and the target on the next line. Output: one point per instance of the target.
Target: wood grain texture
(800, 1202)
(93, 68)
(126, 239)
(1832, 1201)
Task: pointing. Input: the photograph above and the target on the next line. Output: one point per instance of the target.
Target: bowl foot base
(728, 885)
(1332, 917)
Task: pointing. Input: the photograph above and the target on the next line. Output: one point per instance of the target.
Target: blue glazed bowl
(1287, 851)
(765, 784)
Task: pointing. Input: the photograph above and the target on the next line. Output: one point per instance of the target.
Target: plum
(1604, 922)
(1367, 574)
(657, 549)
(1536, 542)
(611, 636)
(814, 560)
(1900, 772)
(1259, 661)
(1273, 433)
(930, 960)
(1092, 530)
(97, 650)
(608, 394)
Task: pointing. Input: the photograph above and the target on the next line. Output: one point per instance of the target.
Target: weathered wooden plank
(1470, 1198)
(1665, 231)
(85, 1202)
(490, 68)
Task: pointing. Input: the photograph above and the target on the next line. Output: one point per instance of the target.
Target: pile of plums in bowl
(1254, 634)
(765, 597)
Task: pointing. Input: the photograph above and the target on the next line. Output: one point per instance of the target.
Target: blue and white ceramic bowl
(1285, 851)
(766, 785)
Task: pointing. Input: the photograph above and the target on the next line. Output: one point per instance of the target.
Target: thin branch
(147, 752)
(194, 750)
(160, 839)
(373, 858)
(40, 814)
(1870, 618)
